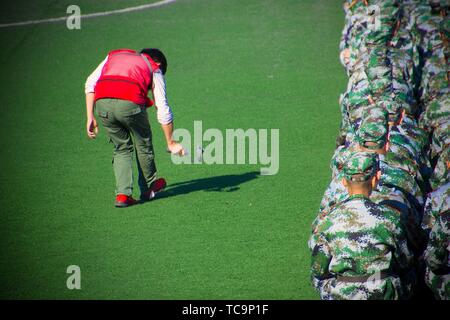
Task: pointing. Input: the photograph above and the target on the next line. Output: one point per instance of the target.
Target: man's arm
(168, 131)
(91, 124)
(320, 261)
(164, 113)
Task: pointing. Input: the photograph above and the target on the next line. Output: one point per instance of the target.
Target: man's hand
(172, 146)
(176, 148)
(91, 128)
(91, 125)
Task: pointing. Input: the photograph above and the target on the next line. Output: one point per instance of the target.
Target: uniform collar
(357, 196)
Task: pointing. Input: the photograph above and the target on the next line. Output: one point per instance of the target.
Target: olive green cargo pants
(123, 119)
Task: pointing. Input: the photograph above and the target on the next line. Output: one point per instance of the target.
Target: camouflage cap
(372, 135)
(340, 156)
(393, 108)
(360, 166)
(376, 114)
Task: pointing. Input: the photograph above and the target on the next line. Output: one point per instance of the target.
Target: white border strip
(90, 15)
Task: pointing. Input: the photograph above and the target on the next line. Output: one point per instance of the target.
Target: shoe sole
(123, 205)
(154, 193)
(150, 197)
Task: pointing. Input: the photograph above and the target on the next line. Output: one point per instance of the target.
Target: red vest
(127, 76)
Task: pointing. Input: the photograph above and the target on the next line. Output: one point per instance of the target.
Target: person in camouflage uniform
(397, 187)
(359, 249)
(404, 59)
(396, 106)
(408, 126)
(400, 170)
(437, 257)
(374, 136)
(363, 52)
(431, 27)
(352, 103)
(407, 144)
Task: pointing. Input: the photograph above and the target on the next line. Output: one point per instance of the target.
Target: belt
(382, 275)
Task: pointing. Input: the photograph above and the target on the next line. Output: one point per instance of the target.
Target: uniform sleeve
(320, 260)
(91, 81)
(329, 197)
(436, 255)
(164, 113)
(403, 255)
(345, 33)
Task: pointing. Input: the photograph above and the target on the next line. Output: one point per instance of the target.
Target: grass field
(219, 231)
(23, 10)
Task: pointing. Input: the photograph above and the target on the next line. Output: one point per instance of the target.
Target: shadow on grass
(225, 183)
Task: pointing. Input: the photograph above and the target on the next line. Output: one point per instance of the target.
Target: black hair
(361, 181)
(158, 57)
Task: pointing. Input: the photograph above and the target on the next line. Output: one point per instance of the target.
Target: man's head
(372, 137)
(158, 57)
(361, 173)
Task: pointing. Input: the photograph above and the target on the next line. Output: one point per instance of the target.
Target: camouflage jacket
(408, 214)
(431, 34)
(360, 238)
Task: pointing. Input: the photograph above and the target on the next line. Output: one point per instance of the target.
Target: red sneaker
(123, 201)
(155, 187)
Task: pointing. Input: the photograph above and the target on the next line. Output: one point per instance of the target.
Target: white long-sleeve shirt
(164, 113)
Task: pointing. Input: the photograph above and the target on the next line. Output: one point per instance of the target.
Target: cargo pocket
(103, 114)
(136, 110)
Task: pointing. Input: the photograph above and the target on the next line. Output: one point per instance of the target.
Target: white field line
(90, 15)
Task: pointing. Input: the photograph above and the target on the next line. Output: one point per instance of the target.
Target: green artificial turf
(219, 231)
(24, 10)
